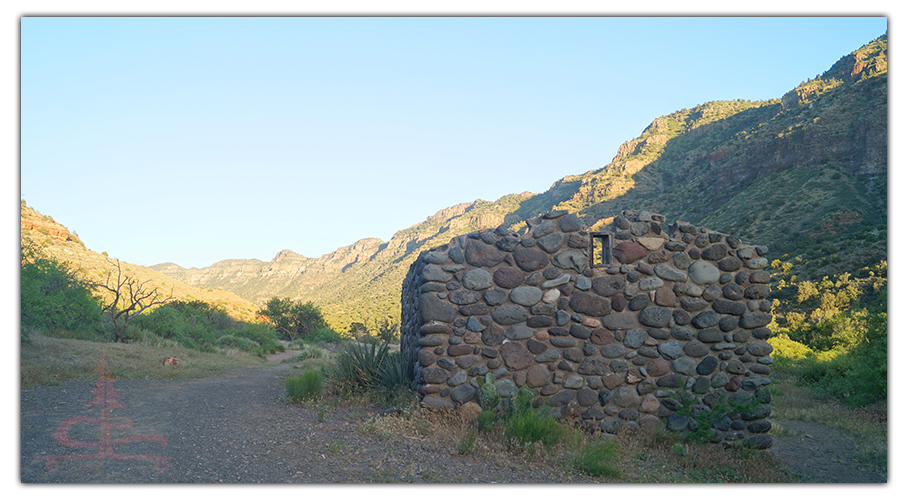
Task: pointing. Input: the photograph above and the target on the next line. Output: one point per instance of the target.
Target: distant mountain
(360, 282)
(805, 174)
(56, 241)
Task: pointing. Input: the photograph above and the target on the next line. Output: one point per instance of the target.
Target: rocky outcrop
(450, 212)
(51, 229)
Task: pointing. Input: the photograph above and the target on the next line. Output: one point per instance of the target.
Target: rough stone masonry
(607, 340)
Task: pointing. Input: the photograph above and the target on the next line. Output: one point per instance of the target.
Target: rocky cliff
(780, 171)
(32, 221)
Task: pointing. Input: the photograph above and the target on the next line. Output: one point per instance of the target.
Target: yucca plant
(395, 371)
(360, 366)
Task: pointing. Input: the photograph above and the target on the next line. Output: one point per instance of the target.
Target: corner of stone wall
(675, 309)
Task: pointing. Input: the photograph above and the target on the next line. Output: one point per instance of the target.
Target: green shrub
(525, 425)
(325, 334)
(292, 319)
(357, 366)
(262, 336)
(132, 334)
(297, 344)
(486, 420)
(395, 371)
(467, 442)
(239, 343)
(185, 323)
(369, 368)
(53, 299)
(856, 375)
(787, 349)
(703, 418)
(594, 458)
(530, 427)
(198, 325)
(307, 386)
(309, 353)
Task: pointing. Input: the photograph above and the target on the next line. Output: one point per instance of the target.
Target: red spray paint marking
(105, 397)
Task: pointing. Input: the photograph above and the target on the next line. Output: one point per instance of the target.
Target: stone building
(605, 327)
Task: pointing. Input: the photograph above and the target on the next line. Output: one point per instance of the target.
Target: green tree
(388, 330)
(358, 330)
(52, 296)
(806, 290)
(858, 376)
(293, 319)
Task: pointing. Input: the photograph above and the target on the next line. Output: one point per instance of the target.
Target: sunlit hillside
(55, 240)
(804, 174)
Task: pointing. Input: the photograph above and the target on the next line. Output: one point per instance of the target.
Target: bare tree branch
(129, 298)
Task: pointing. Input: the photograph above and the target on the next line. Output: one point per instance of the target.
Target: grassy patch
(48, 360)
(467, 442)
(308, 353)
(524, 429)
(308, 386)
(535, 439)
(652, 457)
(597, 458)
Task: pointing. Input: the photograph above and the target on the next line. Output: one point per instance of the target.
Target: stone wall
(675, 308)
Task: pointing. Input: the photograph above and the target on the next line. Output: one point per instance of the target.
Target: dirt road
(230, 429)
(236, 429)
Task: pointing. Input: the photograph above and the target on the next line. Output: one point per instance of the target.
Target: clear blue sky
(193, 140)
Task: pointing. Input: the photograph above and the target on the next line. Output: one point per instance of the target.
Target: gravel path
(821, 454)
(235, 429)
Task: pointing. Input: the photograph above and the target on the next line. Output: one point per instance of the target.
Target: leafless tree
(130, 297)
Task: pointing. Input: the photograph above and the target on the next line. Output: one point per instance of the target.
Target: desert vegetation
(831, 334)
(830, 351)
(60, 301)
(513, 430)
(823, 213)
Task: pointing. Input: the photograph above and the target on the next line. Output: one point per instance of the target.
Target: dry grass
(49, 360)
(304, 361)
(649, 458)
(642, 456)
(449, 430)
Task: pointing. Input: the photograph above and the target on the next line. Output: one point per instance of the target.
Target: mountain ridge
(807, 162)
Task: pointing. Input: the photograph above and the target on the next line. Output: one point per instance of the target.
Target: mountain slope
(360, 282)
(775, 172)
(56, 241)
(804, 174)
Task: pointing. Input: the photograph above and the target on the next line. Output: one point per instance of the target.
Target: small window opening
(601, 253)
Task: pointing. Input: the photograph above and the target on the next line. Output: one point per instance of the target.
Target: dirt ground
(236, 429)
(821, 454)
